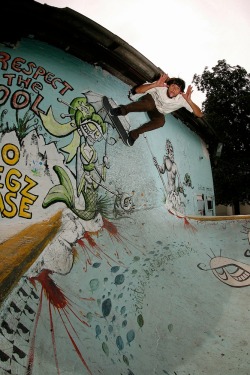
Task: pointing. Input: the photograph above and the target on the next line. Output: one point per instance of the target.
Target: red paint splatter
(115, 234)
(92, 249)
(63, 306)
(188, 225)
(50, 289)
(89, 246)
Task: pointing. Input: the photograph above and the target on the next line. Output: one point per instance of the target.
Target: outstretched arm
(147, 86)
(187, 97)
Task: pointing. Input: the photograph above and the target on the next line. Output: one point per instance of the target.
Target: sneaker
(130, 140)
(115, 111)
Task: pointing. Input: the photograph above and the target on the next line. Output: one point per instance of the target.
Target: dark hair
(177, 81)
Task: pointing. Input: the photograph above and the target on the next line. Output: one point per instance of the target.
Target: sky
(181, 37)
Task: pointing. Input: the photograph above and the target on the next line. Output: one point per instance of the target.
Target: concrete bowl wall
(104, 270)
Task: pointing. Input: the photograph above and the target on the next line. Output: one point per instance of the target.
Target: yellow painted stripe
(219, 218)
(20, 251)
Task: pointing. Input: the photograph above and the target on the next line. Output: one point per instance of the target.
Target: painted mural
(230, 271)
(95, 278)
(35, 145)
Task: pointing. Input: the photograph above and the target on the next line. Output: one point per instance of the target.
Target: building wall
(228, 210)
(99, 259)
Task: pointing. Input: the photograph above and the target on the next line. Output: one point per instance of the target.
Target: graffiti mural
(53, 165)
(230, 271)
(96, 276)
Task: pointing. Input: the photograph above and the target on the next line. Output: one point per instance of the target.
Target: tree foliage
(227, 109)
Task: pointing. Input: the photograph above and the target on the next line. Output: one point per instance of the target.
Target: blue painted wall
(102, 270)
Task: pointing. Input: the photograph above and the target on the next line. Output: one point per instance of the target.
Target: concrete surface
(167, 296)
(105, 266)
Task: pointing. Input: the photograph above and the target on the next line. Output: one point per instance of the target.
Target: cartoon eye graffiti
(229, 271)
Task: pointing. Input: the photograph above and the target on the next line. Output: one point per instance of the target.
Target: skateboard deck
(115, 121)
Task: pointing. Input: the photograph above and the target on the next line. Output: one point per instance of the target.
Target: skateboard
(116, 122)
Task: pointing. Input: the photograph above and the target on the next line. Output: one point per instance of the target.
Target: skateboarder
(162, 96)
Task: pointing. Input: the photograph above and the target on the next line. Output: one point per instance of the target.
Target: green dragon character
(88, 128)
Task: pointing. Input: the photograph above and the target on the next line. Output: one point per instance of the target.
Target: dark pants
(145, 104)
